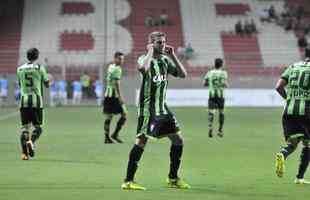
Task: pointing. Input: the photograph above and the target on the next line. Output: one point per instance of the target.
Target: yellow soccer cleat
(177, 183)
(132, 186)
(280, 164)
(301, 181)
(24, 157)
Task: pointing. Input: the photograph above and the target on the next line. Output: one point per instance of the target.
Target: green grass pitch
(73, 163)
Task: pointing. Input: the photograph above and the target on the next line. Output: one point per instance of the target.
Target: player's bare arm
(147, 61)
(206, 83)
(169, 50)
(118, 90)
(280, 88)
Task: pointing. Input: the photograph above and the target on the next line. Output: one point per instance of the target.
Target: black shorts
(157, 126)
(296, 126)
(32, 116)
(216, 103)
(111, 105)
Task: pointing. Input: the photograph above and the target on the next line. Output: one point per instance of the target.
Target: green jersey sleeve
(285, 75)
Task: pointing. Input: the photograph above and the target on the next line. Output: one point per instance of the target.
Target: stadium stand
(231, 8)
(74, 33)
(76, 41)
(76, 8)
(10, 34)
(135, 23)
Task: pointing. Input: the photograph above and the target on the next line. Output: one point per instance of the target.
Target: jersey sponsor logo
(300, 93)
(159, 78)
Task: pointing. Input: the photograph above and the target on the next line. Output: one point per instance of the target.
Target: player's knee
(141, 142)
(38, 130)
(24, 136)
(293, 142)
(122, 120)
(176, 139)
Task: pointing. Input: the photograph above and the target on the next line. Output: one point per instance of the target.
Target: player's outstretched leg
(119, 125)
(283, 154)
(176, 151)
(107, 123)
(303, 165)
(210, 120)
(221, 123)
(24, 137)
(134, 158)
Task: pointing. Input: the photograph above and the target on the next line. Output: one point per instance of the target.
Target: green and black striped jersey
(114, 73)
(216, 82)
(31, 78)
(152, 99)
(297, 77)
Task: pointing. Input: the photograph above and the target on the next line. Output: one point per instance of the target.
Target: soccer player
(113, 103)
(155, 120)
(4, 87)
(98, 90)
(296, 116)
(77, 92)
(31, 77)
(216, 81)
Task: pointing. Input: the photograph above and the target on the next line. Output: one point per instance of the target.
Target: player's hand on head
(169, 50)
(150, 47)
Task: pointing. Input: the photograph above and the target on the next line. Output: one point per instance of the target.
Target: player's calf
(24, 137)
(119, 125)
(210, 120)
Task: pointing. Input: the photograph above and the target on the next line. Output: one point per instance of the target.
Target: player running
(155, 120)
(216, 81)
(113, 99)
(296, 116)
(31, 78)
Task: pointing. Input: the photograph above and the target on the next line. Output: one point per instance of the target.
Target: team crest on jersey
(159, 78)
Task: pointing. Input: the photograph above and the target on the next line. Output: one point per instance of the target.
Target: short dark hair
(32, 54)
(218, 63)
(152, 36)
(118, 54)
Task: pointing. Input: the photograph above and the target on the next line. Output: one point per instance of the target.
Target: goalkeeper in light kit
(31, 79)
(216, 81)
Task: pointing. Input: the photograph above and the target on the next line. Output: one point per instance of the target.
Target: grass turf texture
(72, 161)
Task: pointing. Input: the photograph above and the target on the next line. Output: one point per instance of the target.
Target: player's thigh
(292, 127)
(164, 126)
(143, 126)
(38, 116)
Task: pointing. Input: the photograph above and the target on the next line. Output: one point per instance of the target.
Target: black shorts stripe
(153, 91)
(30, 101)
(296, 107)
(38, 101)
(162, 87)
(142, 91)
(307, 108)
(22, 102)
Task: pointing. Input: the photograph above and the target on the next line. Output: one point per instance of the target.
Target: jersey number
(29, 80)
(303, 82)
